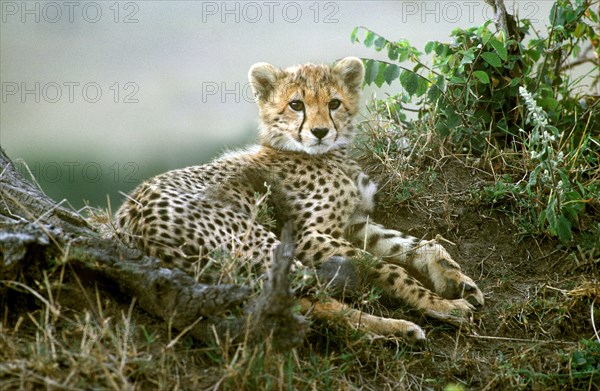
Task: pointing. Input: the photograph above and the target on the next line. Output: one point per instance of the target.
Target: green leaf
(379, 43)
(392, 52)
(533, 177)
(500, 49)
(391, 73)
(457, 79)
(453, 120)
(534, 53)
(486, 35)
(542, 218)
(579, 30)
(548, 104)
(353, 36)
(371, 71)
(410, 82)
(484, 116)
(380, 79)
(369, 39)
(579, 359)
(575, 200)
(492, 59)
(442, 128)
(468, 56)
(551, 216)
(430, 46)
(403, 53)
(571, 16)
(436, 89)
(557, 15)
(482, 76)
(563, 229)
(423, 86)
(441, 49)
(484, 26)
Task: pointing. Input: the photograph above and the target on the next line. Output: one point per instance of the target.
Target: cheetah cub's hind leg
(332, 309)
(341, 279)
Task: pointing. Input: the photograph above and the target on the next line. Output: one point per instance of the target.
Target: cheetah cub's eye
(296, 105)
(334, 104)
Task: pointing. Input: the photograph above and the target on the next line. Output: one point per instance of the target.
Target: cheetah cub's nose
(319, 132)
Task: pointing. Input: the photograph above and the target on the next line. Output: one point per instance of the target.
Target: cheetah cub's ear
(351, 71)
(262, 78)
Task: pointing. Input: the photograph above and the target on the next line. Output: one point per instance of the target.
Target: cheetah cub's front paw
(453, 284)
(460, 308)
(413, 334)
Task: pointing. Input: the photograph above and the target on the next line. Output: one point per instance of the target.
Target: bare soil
(538, 297)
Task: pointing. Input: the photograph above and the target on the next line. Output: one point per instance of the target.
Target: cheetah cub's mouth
(307, 108)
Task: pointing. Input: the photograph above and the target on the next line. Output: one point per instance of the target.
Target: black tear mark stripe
(337, 134)
(299, 138)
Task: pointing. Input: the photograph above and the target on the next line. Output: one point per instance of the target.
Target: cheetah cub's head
(307, 108)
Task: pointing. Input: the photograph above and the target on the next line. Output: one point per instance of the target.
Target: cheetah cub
(306, 115)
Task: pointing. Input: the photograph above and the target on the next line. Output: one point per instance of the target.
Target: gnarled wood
(504, 21)
(21, 200)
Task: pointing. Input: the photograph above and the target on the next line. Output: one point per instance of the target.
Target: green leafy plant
(585, 361)
(549, 180)
(468, 92)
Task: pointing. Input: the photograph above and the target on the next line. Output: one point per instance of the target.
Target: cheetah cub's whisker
(306, 115)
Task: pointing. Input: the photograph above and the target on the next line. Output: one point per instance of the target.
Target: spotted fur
(306, 125)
